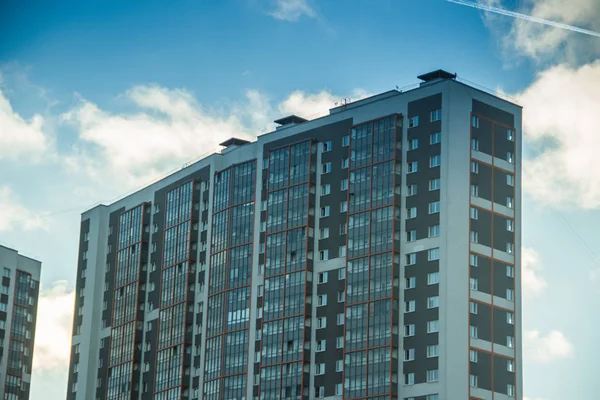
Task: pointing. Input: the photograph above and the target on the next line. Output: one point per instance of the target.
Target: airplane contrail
(523, 16)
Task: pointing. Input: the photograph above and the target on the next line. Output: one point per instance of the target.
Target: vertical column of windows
(176, 306)
(371, 328)
(230, 274)
(284, 364)
(126, 332)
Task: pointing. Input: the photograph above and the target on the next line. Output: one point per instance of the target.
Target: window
(411, 236)
(435, 138)
(263, 206)
(432, 397)
(344, 206)
(409, 354)
(341, 274)
(340, 319)
(433, 302)
(434, 207)
(409, 330)
(409, 306)
(344, 184)
(341, 296)
(510, 271)
(326, 168)
(6, 273)
(474, 212)
(411, 282)
(433, 278)
(325, 211)
(413, 144)
(321, 322)
(411, 190)
(473, 308)
(510, 180)
(326, 146)
(84, 255)
(344, 162)
(325, 189)
(435, 161)
(413, 122)
(323, 233)
(433, 351)
(411, 259)
(473, 332)
(322, 277)
(339, 389)
(432, 375)
(321, 345)
(260, 291)
(510, 135)
(473, 283)
(409, 379)
(473, 260)
(510, 295)
(510, 341)
(474, 237)
(411, 213)
(510, 157)
(342, 251)
(434, 231)
(323, 255)
(474, 190)
(509, 202)
(433, 326)
(510, 247)
(343, 228)
(433, 254)
(339, 342)
(434, 184)
(473, 381)
(474, 167)
(412, 167)
(475, 144)
(321, 300)
(319, 368)
(473, 356)
(510, 365)
(435, 115)
(345, 141)
(510, 389)
(339, 365)
(475, 121)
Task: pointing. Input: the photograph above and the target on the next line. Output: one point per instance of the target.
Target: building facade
(373, 253)
(18, 310)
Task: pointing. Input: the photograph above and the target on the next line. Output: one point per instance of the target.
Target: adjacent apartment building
(18, 308)
(373, 253)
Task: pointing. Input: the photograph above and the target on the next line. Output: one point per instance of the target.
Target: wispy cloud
(315, 105)
(15, 216)
(543, 349)
(532, 281)
(291, 10)
(525, 17)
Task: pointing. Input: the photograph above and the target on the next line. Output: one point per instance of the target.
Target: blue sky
(94, 94)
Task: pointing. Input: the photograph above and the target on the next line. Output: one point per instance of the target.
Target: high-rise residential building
(373, 253)
(18, 310)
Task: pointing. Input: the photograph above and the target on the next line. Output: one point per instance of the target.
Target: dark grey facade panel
(494, 113)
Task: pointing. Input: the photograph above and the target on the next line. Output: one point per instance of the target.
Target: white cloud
(15, 216)
(543, 42)
(543, 349)
(53, 329)
(316, 105)
(167, 129)
(291, 10)
(560, 122)
(533, 283)
(20, 137)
